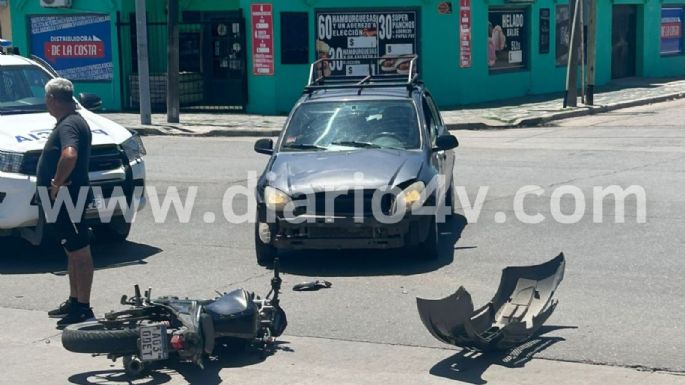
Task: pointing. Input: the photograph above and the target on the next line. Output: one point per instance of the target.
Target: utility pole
(571, 94)
(172, 96)
(591, 53)
(143, 66)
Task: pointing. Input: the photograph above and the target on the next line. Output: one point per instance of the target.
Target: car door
(448, 157)
(439, 159)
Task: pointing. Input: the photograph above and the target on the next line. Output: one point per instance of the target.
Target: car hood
(302, 172)
(28, 132)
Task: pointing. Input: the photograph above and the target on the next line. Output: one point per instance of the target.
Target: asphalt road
(620, 302)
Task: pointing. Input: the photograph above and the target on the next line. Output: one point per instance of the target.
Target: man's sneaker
(62, 310)
(79, 314)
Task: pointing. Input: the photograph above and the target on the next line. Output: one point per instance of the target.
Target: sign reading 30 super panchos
(360, 35)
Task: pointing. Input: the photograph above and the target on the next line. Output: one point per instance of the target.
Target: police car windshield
(22, 89)
(359, 124)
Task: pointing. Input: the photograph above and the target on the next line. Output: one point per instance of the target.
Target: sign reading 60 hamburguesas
(361, 34)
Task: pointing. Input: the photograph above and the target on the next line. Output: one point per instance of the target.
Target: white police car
(116, 165)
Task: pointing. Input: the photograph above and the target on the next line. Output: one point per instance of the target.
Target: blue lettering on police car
(42, 135)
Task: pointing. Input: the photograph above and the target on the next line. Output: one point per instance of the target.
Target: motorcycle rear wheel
(92, 337)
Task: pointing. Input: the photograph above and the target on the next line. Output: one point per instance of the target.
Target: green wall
(438, 41)
(451, 85)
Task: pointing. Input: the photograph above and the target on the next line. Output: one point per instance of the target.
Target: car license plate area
(340, 232)
(153, 343)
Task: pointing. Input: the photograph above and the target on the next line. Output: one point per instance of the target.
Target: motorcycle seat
(231, 303)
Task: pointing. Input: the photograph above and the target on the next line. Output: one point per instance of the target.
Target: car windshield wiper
(304, 146)
(354, 143)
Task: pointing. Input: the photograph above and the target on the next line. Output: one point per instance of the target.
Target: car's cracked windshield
(341, 126)
(22, 90)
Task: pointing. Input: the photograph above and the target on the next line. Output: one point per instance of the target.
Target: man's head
(59, 96)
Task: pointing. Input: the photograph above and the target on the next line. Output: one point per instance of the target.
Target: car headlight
(275, 199)
(11, 161)
(133, 147)
(410, 197)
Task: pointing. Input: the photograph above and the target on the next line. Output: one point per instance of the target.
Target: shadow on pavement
(19, 257)
(340, 263)
(223, 359)
(117, 377)
(469, 366)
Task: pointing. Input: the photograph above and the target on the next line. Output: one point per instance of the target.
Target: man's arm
(65, 165)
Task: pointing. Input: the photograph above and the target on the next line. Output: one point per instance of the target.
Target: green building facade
(256, 54)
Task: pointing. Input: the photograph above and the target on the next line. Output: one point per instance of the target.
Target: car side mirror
(90, 102)
(264, 146)
(446, 142)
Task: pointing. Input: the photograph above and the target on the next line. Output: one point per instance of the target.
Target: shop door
(623, 41)
(225, 73)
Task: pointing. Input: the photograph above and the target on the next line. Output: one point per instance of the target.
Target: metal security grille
(212, 58)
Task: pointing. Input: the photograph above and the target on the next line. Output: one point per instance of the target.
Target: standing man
(63, 173)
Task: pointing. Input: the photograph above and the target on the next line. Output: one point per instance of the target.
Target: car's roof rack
(318, 79)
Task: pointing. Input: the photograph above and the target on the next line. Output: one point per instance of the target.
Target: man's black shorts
(72, 236)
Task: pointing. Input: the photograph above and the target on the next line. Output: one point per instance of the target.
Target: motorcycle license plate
(153, 343)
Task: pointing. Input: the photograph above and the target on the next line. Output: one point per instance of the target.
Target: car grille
(344, 205)
(102, 158)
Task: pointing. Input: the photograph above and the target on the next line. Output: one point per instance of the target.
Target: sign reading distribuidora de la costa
(79, 47)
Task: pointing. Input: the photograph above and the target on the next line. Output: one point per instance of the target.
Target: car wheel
(429, 249)
(117, 230)
(265, 252)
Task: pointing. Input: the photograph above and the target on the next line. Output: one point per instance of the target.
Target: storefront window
(507, 39)
(671, 31)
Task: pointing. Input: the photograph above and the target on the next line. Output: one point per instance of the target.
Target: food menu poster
(262, 39)
(78, 47)
(507, 39)
(465, 33)
(358, 35)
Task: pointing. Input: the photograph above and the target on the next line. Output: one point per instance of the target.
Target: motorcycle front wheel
(93, 337)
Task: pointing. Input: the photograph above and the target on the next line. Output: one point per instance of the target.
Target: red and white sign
(464, 33)
(262, 39)
(74, 50)
(671, 30)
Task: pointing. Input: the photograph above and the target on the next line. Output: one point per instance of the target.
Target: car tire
(265, 253)
(115, 231)
(429, 249)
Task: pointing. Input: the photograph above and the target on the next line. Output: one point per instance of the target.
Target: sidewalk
(31, 353)
(518, 112)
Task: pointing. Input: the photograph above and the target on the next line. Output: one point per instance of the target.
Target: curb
(519, 123)
(151, 131)
(580, 111)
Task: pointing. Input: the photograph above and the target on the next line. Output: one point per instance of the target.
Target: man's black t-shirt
(70, 131)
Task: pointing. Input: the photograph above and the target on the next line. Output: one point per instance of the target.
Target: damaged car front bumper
(523, 302)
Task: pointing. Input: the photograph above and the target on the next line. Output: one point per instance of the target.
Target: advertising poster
(671, 31)
(563, 34)
(78, 47)
(262, 39)
(507, 39)
(544, 30)
(360, 35)
(465, 33)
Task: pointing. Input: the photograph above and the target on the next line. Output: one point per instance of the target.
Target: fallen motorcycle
(154, 330)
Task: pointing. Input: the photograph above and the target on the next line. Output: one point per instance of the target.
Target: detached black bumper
(523, 302)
